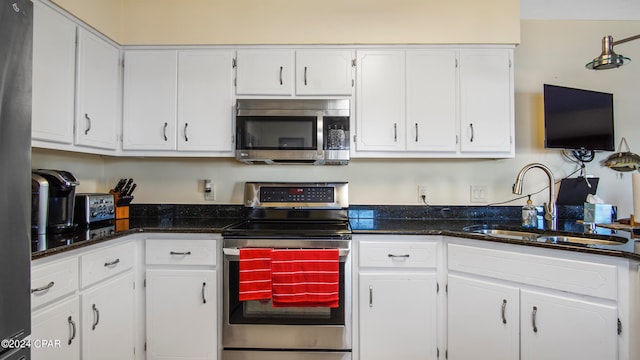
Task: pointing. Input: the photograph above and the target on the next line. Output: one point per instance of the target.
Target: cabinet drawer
(580, 277)
(53, 281)
(104, 263)
(398, 254)
(180, 252)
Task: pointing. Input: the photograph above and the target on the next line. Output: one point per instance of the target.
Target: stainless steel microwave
(292, 131)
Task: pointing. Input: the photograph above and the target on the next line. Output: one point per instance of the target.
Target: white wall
(550, 52)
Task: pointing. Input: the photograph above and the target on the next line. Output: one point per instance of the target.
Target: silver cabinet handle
(86, 131)
(204, 299)
(180, 253)
(281, 68)
(72, 325)
(370, 295)
(112, 263)
(472, 134)
(395, 132)
(164, 131)
(504, 309)
(96, 316)
(533, 319)
(185, 132)
(416, 132)
(406, 256)
(305, 76)
(43, 288)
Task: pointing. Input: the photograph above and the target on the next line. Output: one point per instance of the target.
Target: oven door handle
(234, 253)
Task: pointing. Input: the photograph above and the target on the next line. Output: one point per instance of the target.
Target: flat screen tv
(577, 119)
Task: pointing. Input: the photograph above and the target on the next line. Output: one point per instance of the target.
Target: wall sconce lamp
(609, 59)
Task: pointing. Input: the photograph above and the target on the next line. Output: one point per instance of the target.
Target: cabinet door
(557, 328)
(483, 320)
(381, 101)
(150, 96)
(205, 103)
(108, 320)
(264, 72)
(486, 100)
(54, 67)
(59, 324)
(431, 100)
(324, 72)
(397, 316)
(181, 314)
(98, 90)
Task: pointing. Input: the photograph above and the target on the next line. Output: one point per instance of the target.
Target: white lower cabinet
(518, 305)
(76, 319)
(397, 303)
(181, 299)
(557, 327)
(181, 321)
(108, 320)
(59, 324)
(483, 319)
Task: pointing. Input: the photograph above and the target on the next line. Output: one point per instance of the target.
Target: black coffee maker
(62, 189)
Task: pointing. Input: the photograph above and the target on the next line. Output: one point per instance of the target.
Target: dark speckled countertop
(364, 219)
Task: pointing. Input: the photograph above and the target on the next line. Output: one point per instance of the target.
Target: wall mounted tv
(577, 119)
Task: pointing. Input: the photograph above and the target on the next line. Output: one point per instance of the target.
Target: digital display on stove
(297, 194)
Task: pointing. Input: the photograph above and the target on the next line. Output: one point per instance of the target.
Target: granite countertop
(399, 220)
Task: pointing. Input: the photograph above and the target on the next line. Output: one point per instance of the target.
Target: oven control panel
(297, 194)
(329, 195)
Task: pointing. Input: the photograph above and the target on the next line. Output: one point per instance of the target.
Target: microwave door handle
(320, 134)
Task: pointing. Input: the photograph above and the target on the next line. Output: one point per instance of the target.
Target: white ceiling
(580, 9)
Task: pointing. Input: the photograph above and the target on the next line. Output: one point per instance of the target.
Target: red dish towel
(305, 278)
(255, 274)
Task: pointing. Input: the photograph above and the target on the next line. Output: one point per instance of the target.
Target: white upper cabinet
(54, 66)
(431, 100)
(205, 101)
(98, 90)
(486, 97)
(438, 102)
(380, 100)
(324, 72)
(76, 76)
(294, 72)
(178, 100)
(264, 72)
(150, 93)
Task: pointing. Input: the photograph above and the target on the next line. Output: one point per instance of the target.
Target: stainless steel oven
(288, 216)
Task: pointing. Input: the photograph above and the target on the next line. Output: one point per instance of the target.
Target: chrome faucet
(550, 212)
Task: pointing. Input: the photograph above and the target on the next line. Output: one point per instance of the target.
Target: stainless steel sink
(524, 235)
(560, 239)
(508, 234)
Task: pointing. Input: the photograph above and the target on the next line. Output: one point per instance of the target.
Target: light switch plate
(479, 194)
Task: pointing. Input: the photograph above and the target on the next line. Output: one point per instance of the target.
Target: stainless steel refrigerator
(16, 24)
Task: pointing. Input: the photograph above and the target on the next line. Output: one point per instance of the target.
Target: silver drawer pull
(43, 288)
(112, 263)
(183, 253)
(72, 324)
(96, 316)
(406, 256)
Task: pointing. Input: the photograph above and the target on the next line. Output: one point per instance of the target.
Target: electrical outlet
(479, 194)
(423, 194)
(209, 190)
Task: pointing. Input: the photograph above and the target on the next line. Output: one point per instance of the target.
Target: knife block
(122, 210)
